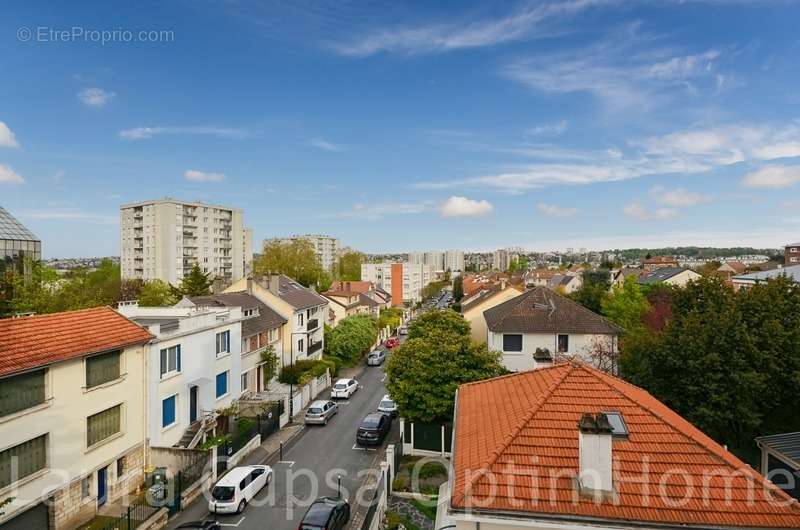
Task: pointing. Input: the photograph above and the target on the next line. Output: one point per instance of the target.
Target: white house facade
(194, 369)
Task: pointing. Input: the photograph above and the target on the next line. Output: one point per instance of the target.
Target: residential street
(310, 466)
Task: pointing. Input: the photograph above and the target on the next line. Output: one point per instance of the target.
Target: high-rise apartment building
(404, 281)
(501, 260)
(165, 238)
(328, 248)
(439, 261)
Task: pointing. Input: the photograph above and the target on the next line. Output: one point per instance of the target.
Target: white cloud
(775, 177)
(374, 211)
(637, 211)
(553, 210)
(683, 152)
(95, 97)
(194, 175)
(548, 129)
(143, 133)
(69, 215)
(623, 71)
(325, 145)
(457, 206)
(533, 20)
(678, 198)
(7, 138)
(9, 175)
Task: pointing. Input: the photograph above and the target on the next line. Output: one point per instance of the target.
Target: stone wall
(175, 458)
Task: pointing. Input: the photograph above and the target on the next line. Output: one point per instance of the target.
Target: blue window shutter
(168, 411)
(163, 362)
(222, 384)
(178, 354)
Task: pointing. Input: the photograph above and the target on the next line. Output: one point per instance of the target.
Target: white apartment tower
(163, 239)
(328, 248)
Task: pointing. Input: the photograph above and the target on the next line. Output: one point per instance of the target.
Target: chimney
(250, 284)
(274, 283)
(595, 475)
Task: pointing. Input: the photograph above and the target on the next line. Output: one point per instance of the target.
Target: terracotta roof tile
(521, 430)
(40, 340)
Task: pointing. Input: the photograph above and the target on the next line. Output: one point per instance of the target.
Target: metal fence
(138, 512)
(378, 496)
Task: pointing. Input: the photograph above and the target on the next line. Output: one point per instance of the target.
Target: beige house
(343, 304)
(72, 416)
(677, 276)
(472, 308)
(302, 335)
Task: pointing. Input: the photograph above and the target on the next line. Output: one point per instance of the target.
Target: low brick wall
(200, 486)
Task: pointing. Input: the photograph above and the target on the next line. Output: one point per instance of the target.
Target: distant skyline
(401, 126)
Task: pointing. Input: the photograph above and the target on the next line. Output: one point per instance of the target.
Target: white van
(238, 487)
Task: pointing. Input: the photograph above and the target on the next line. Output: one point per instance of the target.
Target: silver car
(376, 358)
(320, 412)
(388, 406)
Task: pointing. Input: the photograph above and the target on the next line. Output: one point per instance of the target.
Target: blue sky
(399, 126)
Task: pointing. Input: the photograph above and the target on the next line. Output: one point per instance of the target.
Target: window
(168, 411)
(23, 460)
(273, 335)
(563, 343)
(244, 382)
(85, 484)
(103, 425)
(223, 342)
(102, 369)
(300, 319)
(512, 342)
(22, 391)
(222, 384)
(618, 426)
(300, 345)
(170, 360)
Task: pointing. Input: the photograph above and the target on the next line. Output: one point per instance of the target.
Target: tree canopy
(296, 259)
(626, 305)
(727, 361)
(348, 267)
(157, 293)
(351, 338)
(425, 371)
(196, 283)
(458, 288)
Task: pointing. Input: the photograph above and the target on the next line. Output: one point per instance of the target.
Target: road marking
(289, 463)
(383, 378)
(357, 447)
(234, 525)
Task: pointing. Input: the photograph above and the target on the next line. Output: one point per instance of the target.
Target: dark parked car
(373, 428)
(326, 513)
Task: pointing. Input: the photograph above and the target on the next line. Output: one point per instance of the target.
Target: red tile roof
(521, 430)
(40, 340)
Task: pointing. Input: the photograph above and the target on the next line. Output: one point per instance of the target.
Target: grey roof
(10, 228)
(792, 272)
(661, 275)
(165, 323)
(787, 444)
(541, 310)
(267, 317)
(298, 296)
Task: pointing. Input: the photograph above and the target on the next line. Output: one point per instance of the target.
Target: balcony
(312, 324)
(314, 348)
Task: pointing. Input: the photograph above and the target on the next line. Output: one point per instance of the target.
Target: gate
(270, 421)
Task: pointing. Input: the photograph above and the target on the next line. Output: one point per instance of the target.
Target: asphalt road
(311, 467)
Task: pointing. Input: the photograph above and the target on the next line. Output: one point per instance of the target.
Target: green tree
(704, 364)
(156, 293)
(458, 289)
(520, 263)
(349, 266)
(590, 296)
(424, 373)
(296, 259)
(352, 338)
(196, 283)
(435, 322)
(626, 305)
(391, 316)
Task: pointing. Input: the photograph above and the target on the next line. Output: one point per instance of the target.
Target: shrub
(392, 520)
(400, 483)
(431, 470)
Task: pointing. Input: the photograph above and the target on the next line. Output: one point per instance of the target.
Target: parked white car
(238, 487)
(388, 406)
(344, 388)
